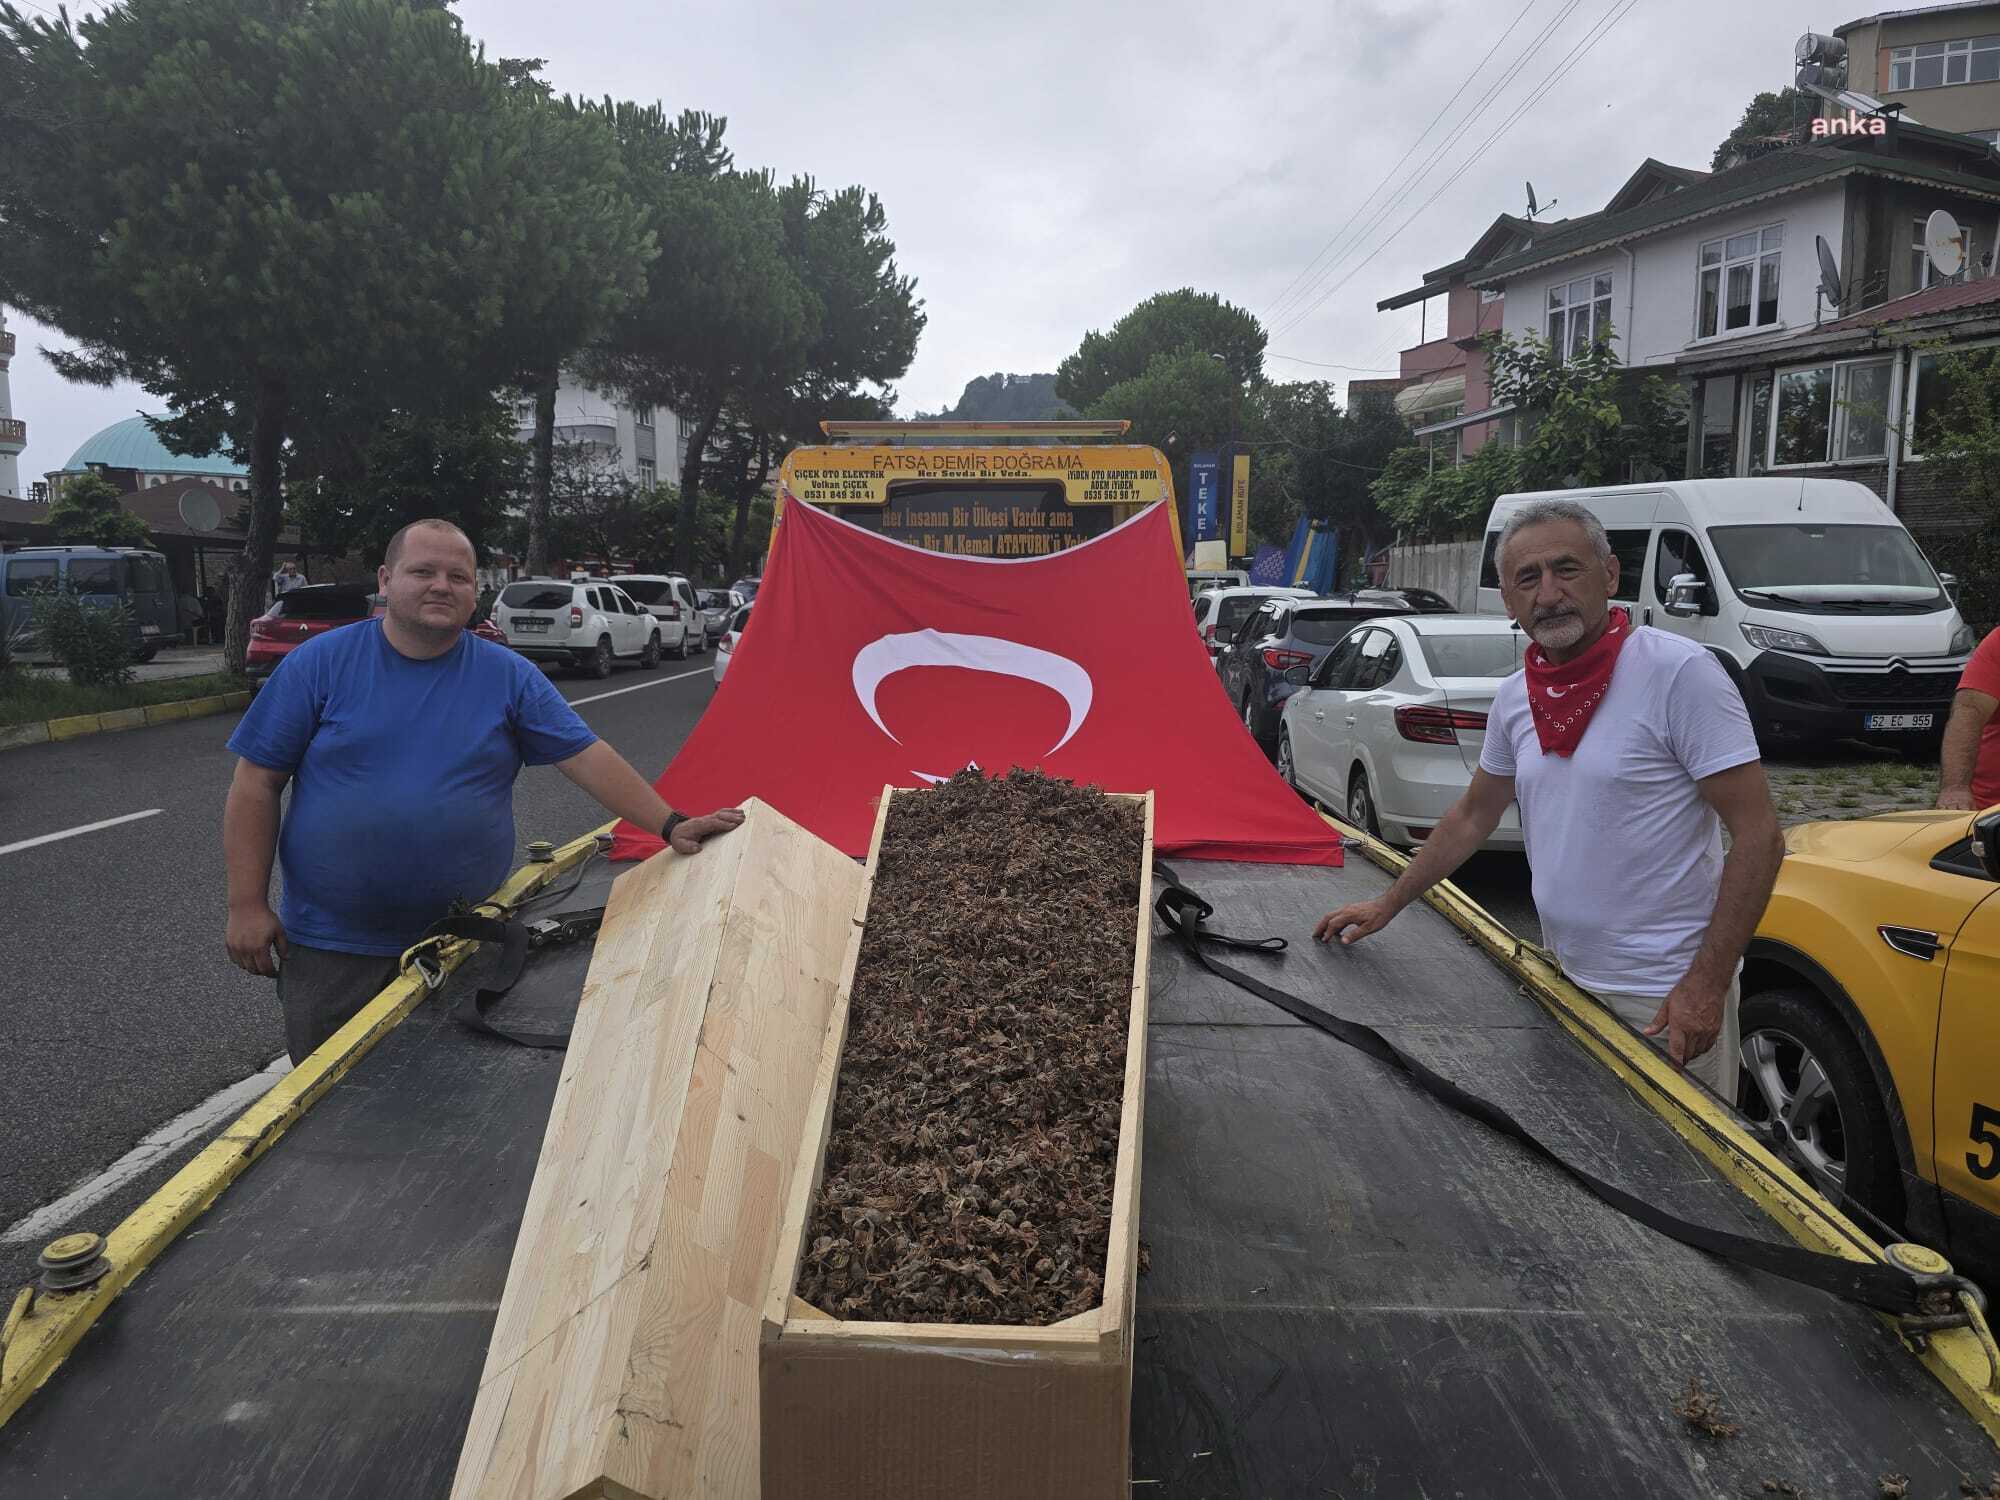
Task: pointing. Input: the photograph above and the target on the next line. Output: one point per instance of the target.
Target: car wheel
(600, 659)
(1804, 1078)
(683, 651)
(148, 654)
(1361, 804)
(1286, 768)
(650, 657)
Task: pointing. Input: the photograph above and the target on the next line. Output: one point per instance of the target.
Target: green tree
(86, 509)
(1311, 458)
(1960, 440)
(1766, 115)
(464, 466)
(278, 216)
(1587, 421)
(1169, 323)
(1006, 398)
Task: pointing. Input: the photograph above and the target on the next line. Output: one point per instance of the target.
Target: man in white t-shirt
(1629, 750)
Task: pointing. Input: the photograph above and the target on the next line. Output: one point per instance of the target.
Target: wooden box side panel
(1122, 1263)
(872, 1423)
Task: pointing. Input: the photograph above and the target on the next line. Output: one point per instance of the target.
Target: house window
(1489, 295)
(648, 474)
(1718, 427)
(642, 416)
(1579, 313)
(1758, 420)
(1832, 413)
(1920, 260)
(1930, 65)
(1736, 282)
(1930, 391)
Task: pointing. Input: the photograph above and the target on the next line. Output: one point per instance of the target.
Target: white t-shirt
(1626, 856)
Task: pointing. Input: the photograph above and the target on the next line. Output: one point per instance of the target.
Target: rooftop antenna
(1944, 244)
(1534, 207)
(1828, 290)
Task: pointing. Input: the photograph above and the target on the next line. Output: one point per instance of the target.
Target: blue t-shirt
(402, 778)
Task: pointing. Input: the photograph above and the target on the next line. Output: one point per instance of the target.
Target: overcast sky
(1047, 165)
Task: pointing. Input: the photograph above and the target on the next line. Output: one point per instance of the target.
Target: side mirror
(1685, 594)
(1950, 583)
(1986, 840)
(1298, 676)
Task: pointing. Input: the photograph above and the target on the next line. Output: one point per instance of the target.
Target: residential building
(13, 431)
(1939, 63)
(1717, 284)
(644, 444)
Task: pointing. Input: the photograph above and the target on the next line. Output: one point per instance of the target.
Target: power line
(1375, 218)
(1323, 365)
(1617, 13)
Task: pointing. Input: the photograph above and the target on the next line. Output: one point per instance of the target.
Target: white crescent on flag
(881, 659)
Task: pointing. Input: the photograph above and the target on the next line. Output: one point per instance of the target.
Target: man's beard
(1558, 630)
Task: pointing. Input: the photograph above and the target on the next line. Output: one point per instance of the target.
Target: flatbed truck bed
(1351, 1291)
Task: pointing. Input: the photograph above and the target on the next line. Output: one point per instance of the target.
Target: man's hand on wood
(691, 833)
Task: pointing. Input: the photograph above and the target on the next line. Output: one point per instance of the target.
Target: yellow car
(1871, 1020)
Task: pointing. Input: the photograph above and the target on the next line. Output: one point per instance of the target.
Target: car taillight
(575, 618)
(1209, 635)
(673, 611)
(1435, 726)
(260, 629)
(1279, 661)
(727, 643)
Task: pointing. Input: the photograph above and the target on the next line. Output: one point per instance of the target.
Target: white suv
(588, 624)
(669, 598)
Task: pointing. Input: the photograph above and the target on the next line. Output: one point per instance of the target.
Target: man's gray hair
(1539, 513)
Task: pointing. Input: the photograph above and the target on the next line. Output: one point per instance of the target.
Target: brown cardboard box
(923, 1411)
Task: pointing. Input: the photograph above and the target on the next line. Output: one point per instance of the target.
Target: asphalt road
(119, 1008)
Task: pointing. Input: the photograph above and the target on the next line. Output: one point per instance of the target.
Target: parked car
(309, 610)
(1219, 612)
(716, 606)
(1284, 633)
(748, 587)
(1870, 1035)
(1810, 592)
(1199, 583)
(1423, 601)
(731, 638)
(588, 625)
(1387, 729)
(669, 599)
(132, 577)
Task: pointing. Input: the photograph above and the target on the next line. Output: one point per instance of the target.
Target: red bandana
(1562, 698)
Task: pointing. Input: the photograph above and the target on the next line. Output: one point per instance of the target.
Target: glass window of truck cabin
(1826, 568)
(1678, 553)
(1736, 282)
(1579, 312)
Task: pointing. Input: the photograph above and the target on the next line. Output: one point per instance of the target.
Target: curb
(78, 725)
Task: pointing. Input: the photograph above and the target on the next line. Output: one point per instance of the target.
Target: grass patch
(27, 698)
(1847, 800)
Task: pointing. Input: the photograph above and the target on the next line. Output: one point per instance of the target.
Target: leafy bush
(1446, 500)
(91, 641)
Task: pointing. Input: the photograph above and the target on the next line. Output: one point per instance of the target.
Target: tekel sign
(1205, 497)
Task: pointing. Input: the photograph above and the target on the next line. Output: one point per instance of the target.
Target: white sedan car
(1387, 727)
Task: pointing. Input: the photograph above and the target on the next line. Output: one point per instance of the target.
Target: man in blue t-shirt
(401, 738)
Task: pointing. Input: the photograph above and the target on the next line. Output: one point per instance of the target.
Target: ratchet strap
(1877, 1284)
(515, 940)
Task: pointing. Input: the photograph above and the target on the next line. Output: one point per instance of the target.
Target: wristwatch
(674, 820)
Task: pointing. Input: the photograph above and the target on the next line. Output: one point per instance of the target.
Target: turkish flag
(869, 661)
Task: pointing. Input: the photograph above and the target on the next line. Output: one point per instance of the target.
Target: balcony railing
(13, 433)
(6, 346)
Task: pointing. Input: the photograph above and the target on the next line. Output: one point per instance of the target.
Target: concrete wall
(1653, 311)
(1447, 568)
(1962, 106)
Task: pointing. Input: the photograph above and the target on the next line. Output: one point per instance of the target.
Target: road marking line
(597, 697)
(182, 1130)
(70, 833)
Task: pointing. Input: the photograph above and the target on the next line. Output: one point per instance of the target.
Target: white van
(1819, 603)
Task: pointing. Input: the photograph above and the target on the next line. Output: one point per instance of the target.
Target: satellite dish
(1944, 243)
(1829, 271)
(1531, 200)
(199, 510)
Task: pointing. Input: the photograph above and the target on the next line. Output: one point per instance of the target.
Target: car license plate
(1899, 721)
(149, 630)
(532, 626)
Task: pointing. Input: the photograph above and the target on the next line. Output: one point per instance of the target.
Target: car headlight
(1962, 639)
(1765, 638)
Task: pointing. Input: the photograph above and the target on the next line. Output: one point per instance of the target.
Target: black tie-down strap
(516, 939)
(1872, 1283)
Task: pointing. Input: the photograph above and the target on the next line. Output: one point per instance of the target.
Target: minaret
(13, 434)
